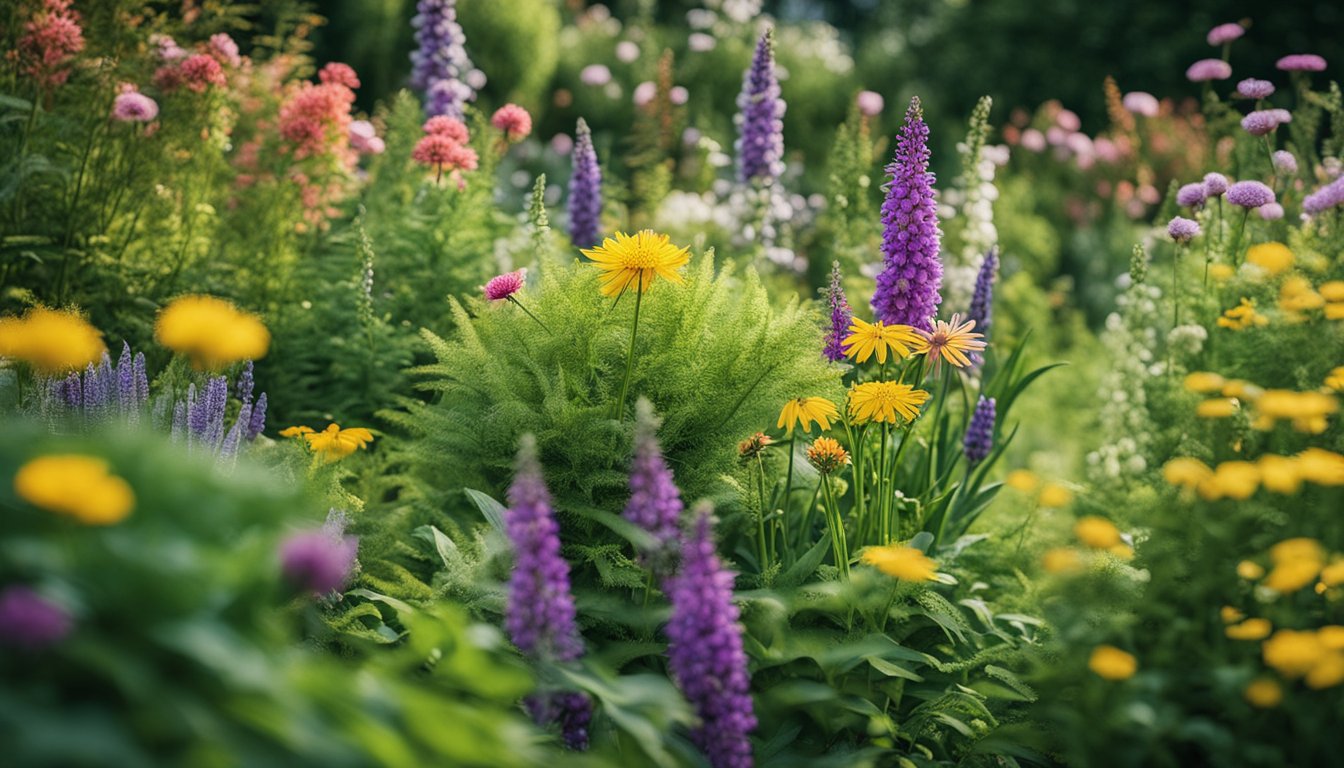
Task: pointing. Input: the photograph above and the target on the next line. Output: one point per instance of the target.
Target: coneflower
(440, 65)
(907, 288)
(760, 142)
(841, 316)
(655, 503)
(980, 432)
(585, 191)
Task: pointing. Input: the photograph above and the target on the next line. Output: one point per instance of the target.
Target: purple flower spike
(585, 191)
(1251, 88)
(74, 392)
(907, 288)
(243, 387)
(655, 503)
(29, 621)
(179, 421)
(256, 422)
(1204, 70)
(705, 649)
(760, 142)
(1249, 194)
(982, 299)
(841, 315)
(1325, 198)
(1191, 195)
(1301, 62)
(980, 432)
(141, 380)
(126, 381)
(216, 401)
(1182, 230)
(321, 561)
(440, 65)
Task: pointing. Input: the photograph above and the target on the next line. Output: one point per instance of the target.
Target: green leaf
(492, 510)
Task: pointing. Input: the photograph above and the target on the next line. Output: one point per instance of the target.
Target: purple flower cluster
(841, 315)
(1285, 162)
(1325, 198)
(1264, 121)
(760, 142)
(439, 65)
(1182, 230)
(1204, 70)
(320, 561)
(907, 288)
(103, 392)
(980, 432)
(1249, 194)
(1251, 88)
(30, 621)
(1301, 62)
(1215, 184)
(1191, 195)
(655, 503)
(705, 650)
(200, 420)
(982, 298)
(585, 191)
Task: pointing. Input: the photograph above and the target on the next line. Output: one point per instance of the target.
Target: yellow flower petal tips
(635, 260)
(335, 443)
(803, 411)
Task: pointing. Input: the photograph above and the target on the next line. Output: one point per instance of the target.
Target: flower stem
(839, 543)
(529, 314)
(630, 358)
(760, 520)
(788, 490)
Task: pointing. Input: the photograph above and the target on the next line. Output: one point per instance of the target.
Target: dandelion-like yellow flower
(1322, 467)
(950, 341)
(1273, 258)
(1332, 290)
(336, 443)
(1335, 379)
(1332, 575)
(1279, 474)
(885, 401)
(1242, 316)
(866, 339)
(1250, 629)
(1054, 496)
(1250, 570)
(902, 562)
(1263, 693)
(1111, 663)
(1307, 411)
(802, 411)
(1186, 472)
(1230, 480)
(1297, 295)
(1097, 532)
(75, 485)
(827, 455)
(1334, 310)
(1293, 653)
(1221, 272)
(1216, 408)
(51, 341)
(1204, 382)
(1023, 480)
(633, 261)
(298, 431)
(211, 331)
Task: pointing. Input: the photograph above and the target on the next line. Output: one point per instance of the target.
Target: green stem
(630, 358)
(519, 304)
(788, 490)
(760, 520)
(839, 543)
(1236, 244)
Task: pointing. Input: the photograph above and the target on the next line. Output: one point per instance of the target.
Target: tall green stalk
(629, 358)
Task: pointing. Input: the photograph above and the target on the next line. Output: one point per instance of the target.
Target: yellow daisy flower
(902, 562)
(1263, 693)
(802, 411)
(1242, 316)
(635, 260)
(298, 431)
(1204, 382)
(51, 341)
(211, 331)
(336, 443)
(1273, 258)
(1250, 629)
(885, 401)
(75, 485)
(950, 341)
(1097, 532)
(866, 339)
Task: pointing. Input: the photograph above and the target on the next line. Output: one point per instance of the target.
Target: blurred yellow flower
(1203, 382)
(902, 562)
(1307, 411)
(1122, 551)
(1216, 408)
(1061, 560)
(1097, 532)
(51, 341)
(1242, 316)
(1263, 693)
(636, 260)
(211, 331)
(1334, 310)
(1293, 653)
(1221, 272)
(802, 411)
(1023, 480)
(1332, 290)
(1299, 548)
(1297, 295)
(866, 339)
(1231, 615)
(1250, 629)
(1273, 258)
(1321, 467)
(1243, 390)
(885, 401)
(1297, 562)
(1186, 472)
(1328, 672)
(1230, 480)
(336, 443)
(1250, 570)
(1054, 496)
(1279, 473)
(1332, 575)
(75, 485)
(1111, 663)
(298, 431)
(1335, 379)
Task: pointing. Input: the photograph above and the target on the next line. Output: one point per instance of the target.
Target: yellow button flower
(75, 485)
(1097, 532)
(1186, 472)
(1332, 575)
(1286, 578)
(1279, 474)
(1321, 467)
(1295, 549)
(1250, 629)
(1335, 379)
(1231, 615)
(902, 562)
(802, 411)
(52, 342)
(1111, 663)
(1250, 570)
(1273, 258)
(1332, 290)
(1328, 672)
(1203, 382)
(1331, 636)
(1023, 480)
(335, 443)
(1216, 408)
(212, 332)
(1054, 496)
(1061, 560)
(1221, 272)
(1263, 693)
(1293, 653)
(1242, 316)
(1230, 480)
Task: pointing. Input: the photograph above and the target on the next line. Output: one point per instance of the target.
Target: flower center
(641, 258)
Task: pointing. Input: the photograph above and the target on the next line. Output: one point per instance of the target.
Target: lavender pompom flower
(705, 649)
(1301, 62)
(1182, 230)
(320, 561)
(1225, 33)
(134, 107)
(1284, 162)
(655, 502)
(980, 432)
(1329, 196)
(1249, 194)
(870, 103)
(1270, 212)
(982, 298)
(1191, 195)
(440, 66)
(1204, 70)
(1251, 88)
(585, 191)
(1262, 122)
(907, 287)
(30, 621)
(841, 315)
(1215, 184)
(760, 142)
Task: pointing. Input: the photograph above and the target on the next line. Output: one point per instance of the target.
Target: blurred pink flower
(513, 120)
(595, 75)
(134, 107)
(442, 125)
(870, 103)
(1141, 103)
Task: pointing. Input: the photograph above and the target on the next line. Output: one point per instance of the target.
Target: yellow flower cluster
(1111, 663)
(1273, 258)
(211, 331)
(1295, 563)
(1335, 379)
(1296, 296)
(1052, 495)
(333, 442)
(902, 562)
(885, 401)
(1317, 656)
(1240, 479)
(51, 341)
(1242, 316)
(1333, 293)
(1306, 411)
(75, 485)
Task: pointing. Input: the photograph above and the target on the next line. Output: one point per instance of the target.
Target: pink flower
(168, 49)
(513, 120)
(316, 118)
(364, 138)
(441, 151)
(644, 93)
(870, 103)
(595, 75)
(197, 72)
(1225, 33)
(134, 107)
(1301, 62)
(1205, 70)
(452, 128)
(341, 74)
(1141, 103)
(223, 48)
(505, 285)
(50, 42)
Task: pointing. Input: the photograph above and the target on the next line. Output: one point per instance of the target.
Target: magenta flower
(450, 127)
(1249, 194)
(1204, 70)
(134, 107)
(595, 75)
(870, 103)
(1301, 62)
(1225, 33)
(505, 285)
(320, 561)
(1141, 103)
(1251, 88)
(30, 621)
(513, 120)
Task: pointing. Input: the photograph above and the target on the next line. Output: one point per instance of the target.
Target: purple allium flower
(760, 140)
(1325, 198)
(1251, 88)
(1282, 115)
(1249, 194)
(1285, 162)
(655, 502)
(595, 75)
(1270, 212)
(1215, 184)
(585, 191)
(870, 103)
(440, 65)
(320, 561)
(1141, 103)
(1191, 195)
(30, 621)
(1263, 121)
(134, 107)
(1205, 70)
(705, 652)
(503, 286)
(1301, 62)
(256, 422)
(1225, 33)
(907, 288)
(980, 432)
(1182, 230)
(841, 315)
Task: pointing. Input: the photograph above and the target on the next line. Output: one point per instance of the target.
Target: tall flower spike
(760, 142)
(540, 614)
(585, 191)
(980, 432)
(907, 288)
(440, 66)
(257, 418)
(982, 301)
(705, 649)
(841, 316)
(655, 503)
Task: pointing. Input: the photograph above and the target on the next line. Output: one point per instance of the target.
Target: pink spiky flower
(505, 285)
(514, 121)
(451, 127)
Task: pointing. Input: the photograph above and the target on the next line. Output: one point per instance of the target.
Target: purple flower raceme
(1301, 62)
(1182, 230)
(540, 615)
(760, 141)
(30, 621)
(980, 432)
(256, 422)
(1251, 88)
(320, 561)
(705, 649)
(841, 315)
(655, 503)
(1204, 70)
(440, 66)
(1225, 33)
(1329, 196)
(982, 298)
(907, 287)
(1215, 184)
(1191, 195)
(585, 191)
(1249, 194)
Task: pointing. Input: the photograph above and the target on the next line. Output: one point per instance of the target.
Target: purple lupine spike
(74, 391)
(30, 621)
(228, 448)
(655, 503)
(257, 419)
(540, 614)
(705, 649)
(907, 288)
(585, 191)
(141, 381)
(126, 381)
(159, 416)
(760, 141)
(179, 421)
(572, 710)
(93, 394)
(216, 402)
(980, 432)
(243, 388)
(982, 299)
(197, 418)
(841, 316)
(440, 66)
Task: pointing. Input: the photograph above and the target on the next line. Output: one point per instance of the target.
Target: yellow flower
(1306, 410)
(1295, 549)
(1186, 472)
(1250, 570)
(826, 455)
(1332, 575)
(1242, 316)
(1054, 496)
(51, 341)
(1297, 295)
(1121, 551)
(1334, 310)
(75, 485)
(1023, 480)
(1230, 480)
(1321, 467)
(901, 562)
(1273, 258)
(635, 260)
(1293, 653)
(1279, 474)
(1097, 532)
(885, 401)
(1111, 663)
(1335, 379)
(1221, 272)
(1217, 408)
(802, 411)
(1297, 562)
(950, 341)
(1328, 672)
(1250, 629)
(211, 331)
(1332, 290)
(1231, 615)
(1203, 382)
(298, 431)
(866, 339)
(1243, 390)
(336, 443)
(1331, 636)
(1263, 693)
(1061, 560)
